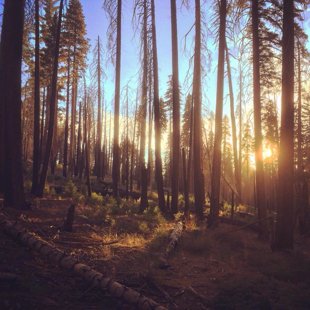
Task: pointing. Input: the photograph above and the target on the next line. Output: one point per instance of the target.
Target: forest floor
(224, 268)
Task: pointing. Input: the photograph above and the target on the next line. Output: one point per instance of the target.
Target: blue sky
(97, 24)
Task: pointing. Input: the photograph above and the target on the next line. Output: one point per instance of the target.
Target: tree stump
(68, 224)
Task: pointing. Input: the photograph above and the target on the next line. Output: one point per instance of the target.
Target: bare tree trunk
(86, 143)
(190, 148)
(299, 110)
(105, 148)
(284, 235)
(151, 112)
(65, 163)
(176, 111)
(185, 180)
(260, 183)
(240, 131)
(127, 146)
(79, 139)
(42, 122)
(11, 170)
(47, 116)
(233, 124)
(302, 184)
(54, 150)
(72, 129)
(197, 132)
(158, 160)
(133, 148)
(110, 144)
(36, 123)
(98, 164)
(116, 155)
(143, 170)
(217, 152)
(52, 107)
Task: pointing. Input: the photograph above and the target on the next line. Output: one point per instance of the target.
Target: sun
(267, 153)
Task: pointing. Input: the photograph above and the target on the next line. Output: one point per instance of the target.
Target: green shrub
(96, 212)
(153, 214)
(71, 190)
(95, 200)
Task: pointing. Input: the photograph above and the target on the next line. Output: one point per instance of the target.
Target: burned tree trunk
(53, 99)
(36, 123)
(158, 160)
(143, 170)
(11, 170)
(259, 179)
(116, 151)
(68, 224)
(176, 111)
(233, 124)
(65, 159)
(284, 235)
(197, 130)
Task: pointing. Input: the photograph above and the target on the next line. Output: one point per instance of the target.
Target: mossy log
(68, 262)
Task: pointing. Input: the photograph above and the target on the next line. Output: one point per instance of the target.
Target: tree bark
(197, 141)
(53, 99)
(185, 181)
(99, 120)
(299, 110)
(176, 111)
(79, 141)
(127, 146)
(11, 169)
(86, 144)
(260, 183)
(240, 128)
(284, 235)
(42, 122)
(217, 152)
(36, 124)
(69, 220)
(233, 123)
(151, 112)
(143, 170)
(116, 152)
(132, 157)
(158, 160)
(65, 160)
(73, 123)
(54, 150)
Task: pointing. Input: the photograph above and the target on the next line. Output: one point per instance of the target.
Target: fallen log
(174, 239)
(91, 276)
